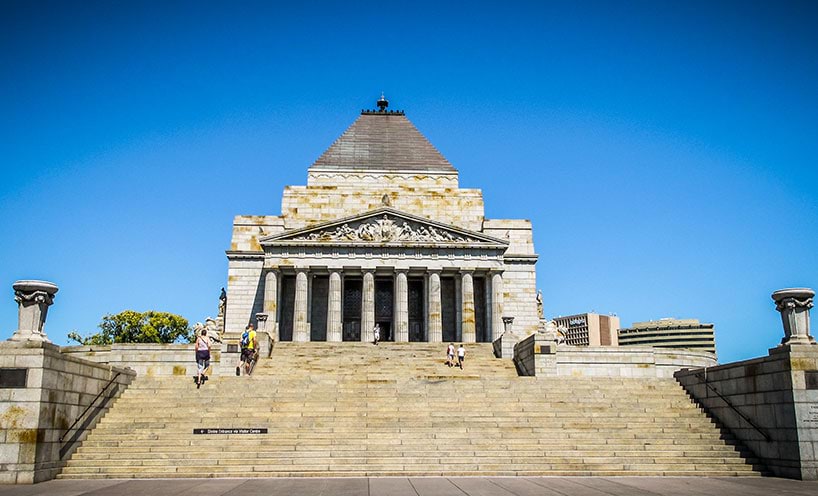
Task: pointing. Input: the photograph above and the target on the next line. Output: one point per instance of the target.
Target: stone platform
(429, 486)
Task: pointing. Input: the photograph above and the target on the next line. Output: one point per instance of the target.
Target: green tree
(139, 327)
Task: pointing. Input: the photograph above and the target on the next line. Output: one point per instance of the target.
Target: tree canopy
(138, 327)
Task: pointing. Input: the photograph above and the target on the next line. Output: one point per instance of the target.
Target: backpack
(245, 339)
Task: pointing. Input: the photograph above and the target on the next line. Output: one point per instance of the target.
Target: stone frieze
(384, 230)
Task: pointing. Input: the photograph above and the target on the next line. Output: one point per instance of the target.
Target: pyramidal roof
(383, 140)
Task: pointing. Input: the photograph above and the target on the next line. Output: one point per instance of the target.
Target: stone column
(458, 309)
(368, 310)
(496, 306)
(33, 299)
(334, 323)
(300, 331)
(467, 285)
(271, 302)
(794, 305)
(401, 307)
(435, 308)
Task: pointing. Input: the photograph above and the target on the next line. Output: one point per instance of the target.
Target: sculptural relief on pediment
(384, 230)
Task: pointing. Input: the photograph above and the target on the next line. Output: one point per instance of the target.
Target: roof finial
(383, 103)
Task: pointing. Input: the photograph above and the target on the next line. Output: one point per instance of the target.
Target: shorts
(461, 358)
(248, 355)
(451, 357)
(202, 360)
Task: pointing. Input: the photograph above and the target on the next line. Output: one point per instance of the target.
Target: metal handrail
(761, 431)
(81, 415)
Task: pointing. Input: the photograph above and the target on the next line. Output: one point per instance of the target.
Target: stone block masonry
(767, 404)
(35, 416)
(146, 359)
(302, 206)
(245, 287)
(537, 356)
(770, 403)
(356, 410)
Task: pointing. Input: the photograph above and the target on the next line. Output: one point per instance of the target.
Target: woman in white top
(202, 356)
(450, 354)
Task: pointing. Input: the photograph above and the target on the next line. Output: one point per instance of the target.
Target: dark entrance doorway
(384, 300)
(285, 327)
(448, 310)
(480, 310)
(318, 308)
(353, 299)
(417, 332)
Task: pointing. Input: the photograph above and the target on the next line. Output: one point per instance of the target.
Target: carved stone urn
(794, 305)
(33, 299)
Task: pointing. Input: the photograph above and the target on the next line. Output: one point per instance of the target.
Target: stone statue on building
(222, 302)
(212, 328)
(539, 305)
(552, 331)
(198, 327)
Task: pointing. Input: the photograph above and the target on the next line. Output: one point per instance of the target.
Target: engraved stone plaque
(13, 378)
(811, 377)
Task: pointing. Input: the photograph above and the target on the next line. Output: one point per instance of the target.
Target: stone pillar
(300, 331)
(435, 308)
(264, 336)
(509, 339)
(496, 306)
(467, 312)
(33, 299)
(401, 307)
(334, 323)
(508, 324)
(368, 310)
(794, 305)
(271, 279)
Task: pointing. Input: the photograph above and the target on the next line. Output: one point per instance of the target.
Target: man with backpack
(249, 349)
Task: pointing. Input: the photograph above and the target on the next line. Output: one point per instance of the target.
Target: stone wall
(245, 293)
(518, 232)
(147, 360)
(520, 294)
(638, 362)
(519, 275)
(524, 357)
(341, 195)
(777, 395)
(57, 389)
(247, 229)
(545, 359)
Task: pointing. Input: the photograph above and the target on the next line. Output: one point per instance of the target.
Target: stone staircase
(352, 409)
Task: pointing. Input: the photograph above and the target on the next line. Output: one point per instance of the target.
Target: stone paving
(425, 486)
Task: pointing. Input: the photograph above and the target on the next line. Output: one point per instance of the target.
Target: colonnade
(434, 304)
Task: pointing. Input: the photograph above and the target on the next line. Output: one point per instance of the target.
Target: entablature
(385, 227)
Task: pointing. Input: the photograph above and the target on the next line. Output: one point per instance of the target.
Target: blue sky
(666, 152)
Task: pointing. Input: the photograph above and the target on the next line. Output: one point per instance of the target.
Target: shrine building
(381, 234)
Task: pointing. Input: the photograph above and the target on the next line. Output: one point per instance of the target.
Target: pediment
(384, 226)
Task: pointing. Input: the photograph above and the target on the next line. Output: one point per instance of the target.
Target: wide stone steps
(353, 409)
